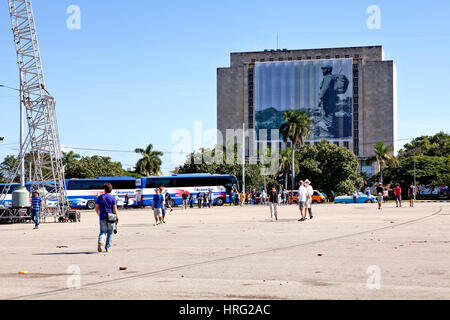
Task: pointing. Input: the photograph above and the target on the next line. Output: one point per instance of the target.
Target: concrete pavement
(345, 252)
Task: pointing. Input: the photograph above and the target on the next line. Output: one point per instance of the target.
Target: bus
(82, 193)
(8, 199)
(192, 183)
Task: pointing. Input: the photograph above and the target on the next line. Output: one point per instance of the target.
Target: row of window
(307, 58)
(99, 184)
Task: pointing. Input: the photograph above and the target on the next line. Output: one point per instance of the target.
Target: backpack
(341, 83)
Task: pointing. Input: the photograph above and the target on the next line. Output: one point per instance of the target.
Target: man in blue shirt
(106, 203)
(36, 208)
(157, 206)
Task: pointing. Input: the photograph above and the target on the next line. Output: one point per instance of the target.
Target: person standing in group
(36, 209)
(236, 198)
(273, 203)
(231, 197)
(310, 192)
(105, 204)
(164, 205)
(355, 196)
(191, 201)
(412, 194)
(283, 197)
(385, 195)
(127, 200)
(302, 196)
(157, 206)
(247, 195)
(242, 198)
(199, 200)
(380, 191)
(398, 196)
(254, 196)
(210, 199)
(367, 191)
(185, 198)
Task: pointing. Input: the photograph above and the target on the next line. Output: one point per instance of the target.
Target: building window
(317, 57)
(336, 143)
(347, 56)
(253, 60)
(299, 58)
(337, 56)
(327, 57)
(289, 58)
(270, 59)
(308, 58)
(261, 60)
(356, 56)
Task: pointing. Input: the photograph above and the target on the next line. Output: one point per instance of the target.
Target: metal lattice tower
(42, 141)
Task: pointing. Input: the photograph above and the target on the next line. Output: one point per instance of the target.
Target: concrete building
(373, 108)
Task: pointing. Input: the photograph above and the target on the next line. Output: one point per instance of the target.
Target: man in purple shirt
(106, 203)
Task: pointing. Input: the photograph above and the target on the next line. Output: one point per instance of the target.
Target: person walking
(104, 205)
(310, 192)
(36, 209)
(273, 203)
(398, 196)
(164, 193)
(301, 198)
(184, 196)
(380, 191)
(157, 206)
(412, 194)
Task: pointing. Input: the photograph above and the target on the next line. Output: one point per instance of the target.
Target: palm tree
(383, 156)
(296, 128)
(285, 164)
(150, 163)
(69, 157)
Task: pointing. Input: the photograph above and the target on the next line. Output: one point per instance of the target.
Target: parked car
(361, 198)
(318, 197)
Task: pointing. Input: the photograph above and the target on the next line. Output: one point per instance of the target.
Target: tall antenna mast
(42, 141)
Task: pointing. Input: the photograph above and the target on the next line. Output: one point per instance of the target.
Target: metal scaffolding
(42, 141)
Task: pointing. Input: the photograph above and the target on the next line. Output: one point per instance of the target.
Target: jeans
(106, 229)
(35, 217)
(273, 210)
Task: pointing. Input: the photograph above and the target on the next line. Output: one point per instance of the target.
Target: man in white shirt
(310, 192)
(302, 197)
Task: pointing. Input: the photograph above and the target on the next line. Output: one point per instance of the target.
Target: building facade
(350, 94)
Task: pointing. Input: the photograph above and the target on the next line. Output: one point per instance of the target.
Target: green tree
(286, 164)
(6, 168)
(296, 128)
(383, 156)
(95, 166)
(330, 168)
(430, 170)
(150, 163)
(69, 157)
(437, 145)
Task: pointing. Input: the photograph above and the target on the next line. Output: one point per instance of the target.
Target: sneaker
(99, 247)
(311, 217)
(108, 250)
(155, 224)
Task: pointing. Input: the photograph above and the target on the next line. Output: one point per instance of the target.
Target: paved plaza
(346, 252)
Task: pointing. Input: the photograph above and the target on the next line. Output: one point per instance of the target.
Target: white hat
(307, 181)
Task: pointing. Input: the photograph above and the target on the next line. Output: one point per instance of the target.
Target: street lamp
(22, 165)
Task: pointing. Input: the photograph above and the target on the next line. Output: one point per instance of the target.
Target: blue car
(362, 198)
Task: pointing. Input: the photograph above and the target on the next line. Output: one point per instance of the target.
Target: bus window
(157, 182)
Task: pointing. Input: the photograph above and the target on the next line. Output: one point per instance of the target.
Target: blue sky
(137, 71)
